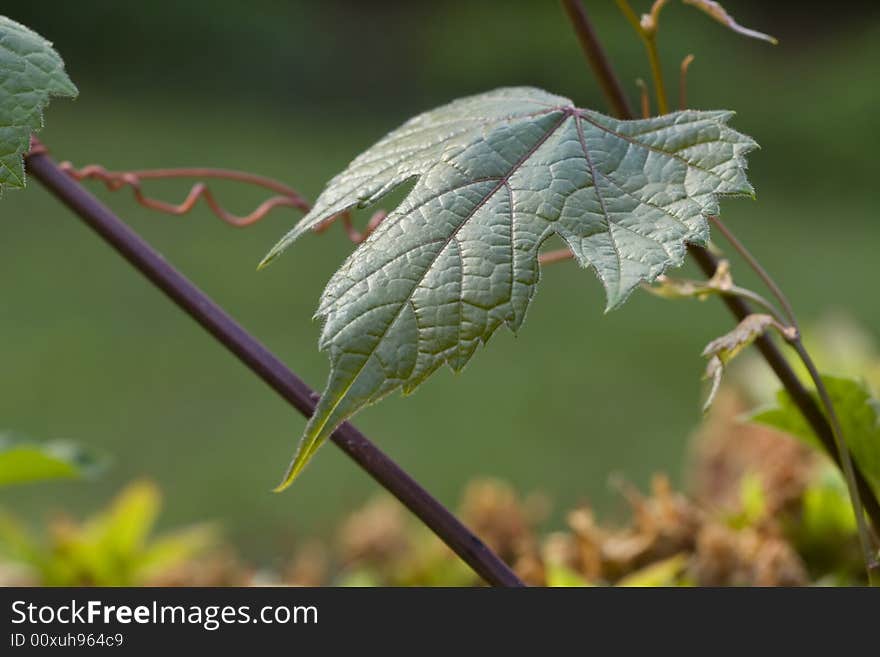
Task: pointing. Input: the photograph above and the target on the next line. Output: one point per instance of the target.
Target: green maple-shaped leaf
(496, 175)
(30, 72)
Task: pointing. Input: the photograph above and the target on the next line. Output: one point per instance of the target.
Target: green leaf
(22, 461)
(30, 72)
(495, 176)
(859, 416)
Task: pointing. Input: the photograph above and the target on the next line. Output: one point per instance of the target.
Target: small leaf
(681, 288)
(30, 72)
(859, 416)
(495, 176)
(725, 348)
(717, 12)
(22, 461)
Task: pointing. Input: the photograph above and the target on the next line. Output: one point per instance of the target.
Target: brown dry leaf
(494, 512)
(745, 557)
(725, 348)
(726, 449)
(375, 534)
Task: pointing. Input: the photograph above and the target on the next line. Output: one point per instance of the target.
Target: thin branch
(353, 233)
(869, 549)
(758, 300)
(631, 16)
(657, 74)
(846, 461)
(288, 197)
(115, 180)
(646, 28)
(266, 366)
(596, 57)
(799, 395)
(762, 273)
(741, 309)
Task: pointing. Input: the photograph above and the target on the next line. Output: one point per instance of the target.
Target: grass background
(91, 352)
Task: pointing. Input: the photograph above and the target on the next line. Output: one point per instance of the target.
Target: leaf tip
(289, 476)
(269, 258)
(284, 485)
(281, 246)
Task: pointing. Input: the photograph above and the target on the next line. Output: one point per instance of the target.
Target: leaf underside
(30, 73)
(495, 176)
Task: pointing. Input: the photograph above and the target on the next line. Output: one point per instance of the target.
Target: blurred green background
(294, 90)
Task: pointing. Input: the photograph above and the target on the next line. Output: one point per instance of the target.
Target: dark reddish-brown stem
(266, 366)
(589, 41)
(801, 397)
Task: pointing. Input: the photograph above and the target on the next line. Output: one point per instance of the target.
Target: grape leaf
(859, 416)
(30, 72)
(495, 175)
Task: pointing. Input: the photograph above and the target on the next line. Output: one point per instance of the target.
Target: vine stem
(116, 180)
(740, 309)
(872, 561)
(756, 266)
(657, 74)
(589, 42)
(757, 299)
(865, 538)
(266, 366)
